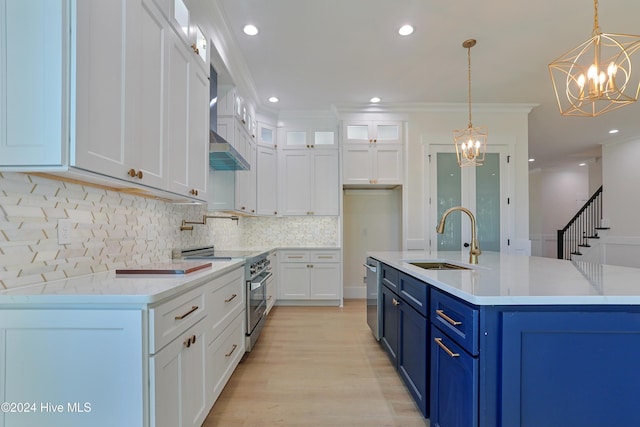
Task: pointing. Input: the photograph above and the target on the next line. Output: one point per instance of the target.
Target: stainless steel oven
(257, 272)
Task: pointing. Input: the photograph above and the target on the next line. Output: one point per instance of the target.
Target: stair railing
(583, 226)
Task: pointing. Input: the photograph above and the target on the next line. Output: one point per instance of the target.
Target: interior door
(482, 189)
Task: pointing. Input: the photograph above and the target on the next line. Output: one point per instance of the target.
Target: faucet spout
(474, 251)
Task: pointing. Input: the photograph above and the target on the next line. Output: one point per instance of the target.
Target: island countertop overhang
(508, 279)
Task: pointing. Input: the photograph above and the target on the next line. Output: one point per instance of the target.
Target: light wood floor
(316, 366)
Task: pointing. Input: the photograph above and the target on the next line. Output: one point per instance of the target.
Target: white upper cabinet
(372, 132)
(309, 182)
(267, 181)
(372, 153)
(33, 84)
(142, 100)
(295, 138)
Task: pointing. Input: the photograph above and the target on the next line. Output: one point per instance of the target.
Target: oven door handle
(255, 285)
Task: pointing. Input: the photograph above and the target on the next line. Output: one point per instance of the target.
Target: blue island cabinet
(405, 332)
(532, 366)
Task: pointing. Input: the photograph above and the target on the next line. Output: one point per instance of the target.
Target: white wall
(555, 197)
(507, 125)
(621, 203)
(372, 222)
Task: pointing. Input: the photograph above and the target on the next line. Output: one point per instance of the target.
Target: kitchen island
(514, 340)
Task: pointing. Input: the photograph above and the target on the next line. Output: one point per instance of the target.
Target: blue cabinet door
(454, 383)
(413, 359)
(390, 324)
(578, 368)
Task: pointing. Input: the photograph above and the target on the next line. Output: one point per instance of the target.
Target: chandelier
(471, 143)
(595, 77)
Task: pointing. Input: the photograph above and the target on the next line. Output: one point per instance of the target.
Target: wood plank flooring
(316, 366)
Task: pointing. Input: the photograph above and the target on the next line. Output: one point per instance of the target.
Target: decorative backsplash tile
(112, 230)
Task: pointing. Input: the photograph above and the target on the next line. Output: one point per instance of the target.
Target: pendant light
(471, 143)
(595, 77)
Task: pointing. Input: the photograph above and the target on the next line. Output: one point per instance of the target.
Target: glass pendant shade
(595, 77)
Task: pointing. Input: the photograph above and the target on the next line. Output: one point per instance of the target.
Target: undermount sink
(438, 265)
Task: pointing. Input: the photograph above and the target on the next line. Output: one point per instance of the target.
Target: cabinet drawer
(294, 256)
(414, 292)
(224, 299)
(389, 277)
(457, 319)
(170, 319)
(325, 256)
(223, 355)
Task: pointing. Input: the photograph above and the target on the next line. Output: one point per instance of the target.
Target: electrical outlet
(64, 231)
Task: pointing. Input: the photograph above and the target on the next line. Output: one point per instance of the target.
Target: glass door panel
(480, 189)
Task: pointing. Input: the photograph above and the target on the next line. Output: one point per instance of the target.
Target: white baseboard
(354, 292)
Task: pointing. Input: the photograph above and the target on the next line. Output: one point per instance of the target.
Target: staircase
(574, 238)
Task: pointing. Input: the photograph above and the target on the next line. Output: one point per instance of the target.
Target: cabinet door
(89, 361)
(187, 121)
(413, 357)
(198, 145)
(357, 132)
(390, 338)
(387, 164)
(267, 181)
(454, 383)
(245, 197)
(387, 132)
(293, 281)
(223, 355)
(178, 381)
(145, 152)
(590, 356)
(293, 165)
(104, 107)
(357, 166)
(325, 281)
(325, 188)
(33, 102)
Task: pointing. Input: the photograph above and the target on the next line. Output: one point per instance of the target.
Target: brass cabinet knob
(133, 174)
(193, 192)
(195, 49)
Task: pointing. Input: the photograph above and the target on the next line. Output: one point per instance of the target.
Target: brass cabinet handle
(447, 318)
(294, 256)
(133, 174)
(325, 256)
(193, 308)
(195, 49)
(232, 350)
(395, 301)
(231, 298)
(189, 341)
(444, 347)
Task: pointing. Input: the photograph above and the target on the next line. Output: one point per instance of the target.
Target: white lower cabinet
(139, 365)
(177, 381)
(72, 367)
(312, 275)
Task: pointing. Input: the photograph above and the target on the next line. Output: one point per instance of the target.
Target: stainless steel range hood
(223, 156)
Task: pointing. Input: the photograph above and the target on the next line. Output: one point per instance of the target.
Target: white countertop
(109, 288)
(502, 279)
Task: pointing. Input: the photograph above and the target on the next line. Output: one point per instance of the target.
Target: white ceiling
(317, 54)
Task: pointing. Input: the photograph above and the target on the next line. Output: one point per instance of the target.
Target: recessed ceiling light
(274, 99)
(613, 131)
(405, 30)
(532, 160)
(582, 164)
(375, 100)
(250, 30)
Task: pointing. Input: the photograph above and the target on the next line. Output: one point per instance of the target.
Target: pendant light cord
(469, 81)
